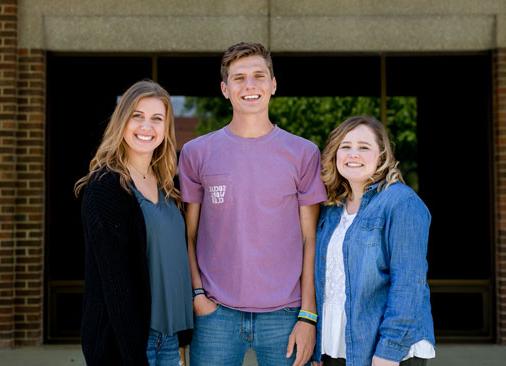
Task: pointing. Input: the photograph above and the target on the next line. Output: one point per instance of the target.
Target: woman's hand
(378, 361)
(203, 306)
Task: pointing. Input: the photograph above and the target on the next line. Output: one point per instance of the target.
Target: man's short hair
(244, 49)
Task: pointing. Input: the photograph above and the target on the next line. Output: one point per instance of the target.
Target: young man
(252, 193)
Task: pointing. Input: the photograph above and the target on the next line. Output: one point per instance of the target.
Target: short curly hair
(244, 49)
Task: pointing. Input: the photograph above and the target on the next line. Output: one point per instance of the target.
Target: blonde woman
(137, 281)
(371, 268)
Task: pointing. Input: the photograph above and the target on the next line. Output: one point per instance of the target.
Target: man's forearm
(192, 222)
(308, 218)
(307, 278)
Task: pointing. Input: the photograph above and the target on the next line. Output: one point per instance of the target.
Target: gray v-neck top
(169, 270)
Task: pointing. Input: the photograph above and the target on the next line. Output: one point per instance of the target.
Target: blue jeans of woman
(163, 350)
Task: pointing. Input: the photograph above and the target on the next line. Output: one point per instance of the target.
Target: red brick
(35, 268)
(34, 301)
(33, 318)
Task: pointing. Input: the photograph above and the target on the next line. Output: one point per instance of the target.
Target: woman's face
(357, 156)
(145, 129)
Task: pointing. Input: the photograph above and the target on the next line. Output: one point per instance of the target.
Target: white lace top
(334, 316)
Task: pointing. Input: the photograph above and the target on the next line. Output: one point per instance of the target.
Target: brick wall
(8, 109)
(29, 219)
(22, 89)
(500, 184)
(185, 130)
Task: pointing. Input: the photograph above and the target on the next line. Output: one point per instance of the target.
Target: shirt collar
(373, 186)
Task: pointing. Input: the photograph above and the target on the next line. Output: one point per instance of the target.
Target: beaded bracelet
(308, 315)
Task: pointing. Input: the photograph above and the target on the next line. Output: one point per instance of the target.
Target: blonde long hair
(387, 173)
(112, 152)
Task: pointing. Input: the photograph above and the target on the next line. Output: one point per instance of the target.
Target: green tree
(401, 125)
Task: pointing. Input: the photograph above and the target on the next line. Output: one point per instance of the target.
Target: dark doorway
(81, 94)
(453, 96)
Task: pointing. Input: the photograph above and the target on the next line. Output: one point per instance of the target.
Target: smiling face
(145, 130)
(357, 156)
(249, 85)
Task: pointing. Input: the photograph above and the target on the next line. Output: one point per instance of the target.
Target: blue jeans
(223, 337)
(163, 350)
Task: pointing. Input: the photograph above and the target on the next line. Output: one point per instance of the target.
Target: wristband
(305, 320)
(198, 291)
(303, 314)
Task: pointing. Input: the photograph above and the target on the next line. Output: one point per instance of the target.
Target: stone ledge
(383, 33)
(151, 34)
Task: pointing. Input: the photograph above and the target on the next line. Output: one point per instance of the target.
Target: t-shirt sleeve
(191, 187)
(311, 189)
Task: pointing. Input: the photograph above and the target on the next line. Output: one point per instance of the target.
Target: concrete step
(70, 355)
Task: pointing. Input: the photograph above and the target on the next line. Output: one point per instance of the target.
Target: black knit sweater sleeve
(114, 234)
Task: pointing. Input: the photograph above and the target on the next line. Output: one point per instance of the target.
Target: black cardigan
(117, 299)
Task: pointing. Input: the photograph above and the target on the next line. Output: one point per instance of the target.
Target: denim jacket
(387, 297)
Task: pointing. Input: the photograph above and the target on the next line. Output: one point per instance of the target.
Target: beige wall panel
(373, 33)
(382, 7)
(151, 34)
(144, 7)
(501, 31)
(306, 25)
(31, 13)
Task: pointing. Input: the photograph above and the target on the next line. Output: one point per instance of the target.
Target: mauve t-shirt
(249, 245)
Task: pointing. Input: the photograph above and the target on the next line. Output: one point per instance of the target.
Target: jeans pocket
(209, 314)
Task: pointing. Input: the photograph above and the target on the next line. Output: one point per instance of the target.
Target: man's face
(249, 85)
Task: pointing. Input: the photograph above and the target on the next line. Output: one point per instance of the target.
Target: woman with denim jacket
(371, 269)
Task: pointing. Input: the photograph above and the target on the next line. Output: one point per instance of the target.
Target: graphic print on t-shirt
(217, 194)
(217, 189)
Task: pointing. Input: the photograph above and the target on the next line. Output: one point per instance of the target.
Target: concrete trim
(151, 34)
(390, 7)
(31, 14)
(285, 25)
(501, 31)
(383, 33)
(288, 34)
